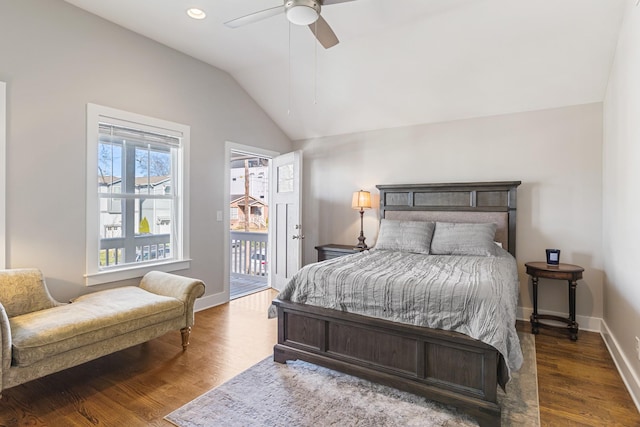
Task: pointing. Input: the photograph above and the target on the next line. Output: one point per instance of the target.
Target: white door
(285, 214)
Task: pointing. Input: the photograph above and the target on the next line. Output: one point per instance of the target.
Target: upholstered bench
(41, 336)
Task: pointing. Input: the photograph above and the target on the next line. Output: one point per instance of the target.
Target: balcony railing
(146, 247)
(249, 253)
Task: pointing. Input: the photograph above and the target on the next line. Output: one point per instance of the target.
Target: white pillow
(451, 238)
(405, 236)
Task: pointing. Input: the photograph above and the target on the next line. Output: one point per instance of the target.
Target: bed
(443, 365)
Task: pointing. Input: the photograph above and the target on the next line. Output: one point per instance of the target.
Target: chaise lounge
(40, 335)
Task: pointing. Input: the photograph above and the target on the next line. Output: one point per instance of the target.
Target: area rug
(302, 394)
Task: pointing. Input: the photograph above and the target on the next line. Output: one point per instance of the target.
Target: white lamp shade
(361, 200)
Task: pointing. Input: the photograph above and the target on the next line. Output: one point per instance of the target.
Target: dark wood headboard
(455, 202)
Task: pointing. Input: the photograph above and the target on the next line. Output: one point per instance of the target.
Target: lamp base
(361, 244)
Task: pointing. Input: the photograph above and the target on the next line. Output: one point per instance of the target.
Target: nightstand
(333, 251)
(569, 272)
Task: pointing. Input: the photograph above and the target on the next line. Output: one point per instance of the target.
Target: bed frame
(445, 366)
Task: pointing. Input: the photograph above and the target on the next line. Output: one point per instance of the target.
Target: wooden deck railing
(249, 253)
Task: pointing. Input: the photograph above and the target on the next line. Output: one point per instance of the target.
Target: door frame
(226, 213)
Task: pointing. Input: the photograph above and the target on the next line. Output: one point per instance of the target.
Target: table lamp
(361, 200)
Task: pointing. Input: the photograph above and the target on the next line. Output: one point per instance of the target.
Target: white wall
(55, 59)
(621, 201)
(3, 174)
(555, 153)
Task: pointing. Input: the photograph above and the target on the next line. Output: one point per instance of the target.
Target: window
(136, 198)
(234, 213)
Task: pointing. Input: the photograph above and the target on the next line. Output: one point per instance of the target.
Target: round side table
(569, 272)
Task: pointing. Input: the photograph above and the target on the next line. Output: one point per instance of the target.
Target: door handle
(300, 235)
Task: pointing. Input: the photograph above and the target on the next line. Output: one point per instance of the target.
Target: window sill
(132, 272)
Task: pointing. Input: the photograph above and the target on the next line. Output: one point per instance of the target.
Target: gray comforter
(476, 296)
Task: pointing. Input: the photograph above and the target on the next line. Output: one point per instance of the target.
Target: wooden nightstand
(333, 251)
(570, 273)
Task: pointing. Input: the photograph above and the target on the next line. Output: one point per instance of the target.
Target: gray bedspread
(473, 295)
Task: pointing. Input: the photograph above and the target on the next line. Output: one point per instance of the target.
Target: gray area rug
(303, 394)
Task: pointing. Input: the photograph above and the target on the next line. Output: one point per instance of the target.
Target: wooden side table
(333, 251)
(569, 272)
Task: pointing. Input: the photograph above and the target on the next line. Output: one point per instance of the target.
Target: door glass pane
(285, 178)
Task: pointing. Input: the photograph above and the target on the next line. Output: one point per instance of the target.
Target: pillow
(22, 291)
(464, 239)
(405, 236)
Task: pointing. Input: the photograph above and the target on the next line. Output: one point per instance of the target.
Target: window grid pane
(136, 227)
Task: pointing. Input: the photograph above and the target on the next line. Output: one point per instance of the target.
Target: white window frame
(94, 274)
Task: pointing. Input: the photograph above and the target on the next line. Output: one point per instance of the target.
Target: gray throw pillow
(405, 236)
(464, 239)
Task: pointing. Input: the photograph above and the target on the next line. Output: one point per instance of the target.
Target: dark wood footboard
(444, 366)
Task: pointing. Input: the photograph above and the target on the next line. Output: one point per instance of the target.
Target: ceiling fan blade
(253, 17)
(324, 33)
(329, 2)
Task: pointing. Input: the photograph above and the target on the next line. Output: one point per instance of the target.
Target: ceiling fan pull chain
(315, 67)
(289, 76)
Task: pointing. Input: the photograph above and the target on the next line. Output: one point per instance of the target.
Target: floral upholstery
(89, 319)
(23, 291)
(39, 336)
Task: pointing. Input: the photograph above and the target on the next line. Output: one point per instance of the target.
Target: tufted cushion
(23, 291)
(90, 319)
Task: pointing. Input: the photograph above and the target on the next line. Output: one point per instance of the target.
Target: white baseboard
(586, 323)
(209, 301)
(628, 375)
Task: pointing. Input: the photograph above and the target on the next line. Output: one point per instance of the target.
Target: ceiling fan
(299, 12)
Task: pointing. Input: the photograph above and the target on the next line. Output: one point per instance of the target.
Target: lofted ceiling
(398, 63)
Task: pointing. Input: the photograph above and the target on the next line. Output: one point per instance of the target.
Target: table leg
(534, 316)
(573, 325)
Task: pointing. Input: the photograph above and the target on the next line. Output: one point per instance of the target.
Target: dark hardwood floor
(579, 385)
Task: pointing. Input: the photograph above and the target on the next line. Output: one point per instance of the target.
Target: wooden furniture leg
(573, 325)
(186, 333)
(534, 316)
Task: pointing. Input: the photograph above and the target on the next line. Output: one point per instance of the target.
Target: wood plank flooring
(579, 385)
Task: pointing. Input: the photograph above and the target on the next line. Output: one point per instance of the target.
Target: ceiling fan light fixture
(302, 12)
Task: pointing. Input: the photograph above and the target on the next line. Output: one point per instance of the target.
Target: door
(286, 227)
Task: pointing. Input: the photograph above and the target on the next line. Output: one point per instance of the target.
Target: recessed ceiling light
(196, 13)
